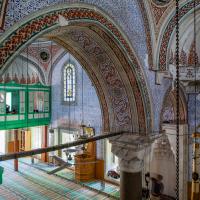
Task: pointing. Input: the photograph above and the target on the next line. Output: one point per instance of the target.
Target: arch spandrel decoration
(18, 38)
(166, 36)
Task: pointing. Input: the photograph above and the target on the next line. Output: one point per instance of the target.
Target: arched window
(69, 83)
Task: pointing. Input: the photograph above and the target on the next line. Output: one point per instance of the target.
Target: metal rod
(177, 101)
(56, 147)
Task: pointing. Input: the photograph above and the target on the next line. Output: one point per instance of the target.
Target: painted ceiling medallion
(44, 55)
(161, 2)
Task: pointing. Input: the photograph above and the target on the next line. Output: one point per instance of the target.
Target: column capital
(130, 149)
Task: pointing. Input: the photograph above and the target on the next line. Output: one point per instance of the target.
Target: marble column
(130, 150)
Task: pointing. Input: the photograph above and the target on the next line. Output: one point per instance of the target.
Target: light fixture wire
(177, 99)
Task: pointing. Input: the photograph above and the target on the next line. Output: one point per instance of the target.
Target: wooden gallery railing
(56, 147)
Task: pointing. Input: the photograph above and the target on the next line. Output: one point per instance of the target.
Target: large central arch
(104, 52)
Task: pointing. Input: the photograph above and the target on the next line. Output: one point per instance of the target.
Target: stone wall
(73, 113)
(86, 108)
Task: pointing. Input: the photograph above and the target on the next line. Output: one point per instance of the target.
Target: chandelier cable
(177, 100)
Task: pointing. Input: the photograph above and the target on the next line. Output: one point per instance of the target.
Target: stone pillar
(130, 185)
(130, 150)
(195, 193)
(131, 176)
(184, 162)
(45, 143)
(163, 158)
(16, 148)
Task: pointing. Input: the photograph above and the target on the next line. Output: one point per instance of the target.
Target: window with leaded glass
(69, 83)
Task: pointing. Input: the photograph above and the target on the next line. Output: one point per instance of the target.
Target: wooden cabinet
(91, 149)
(11, 146)
(84, 167)
(99, 173)
(24, 140)
(87, 167)
(85, 163)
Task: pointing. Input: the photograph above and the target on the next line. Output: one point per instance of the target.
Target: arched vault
(102, 49)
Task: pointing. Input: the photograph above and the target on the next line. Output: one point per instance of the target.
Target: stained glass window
(69, 83)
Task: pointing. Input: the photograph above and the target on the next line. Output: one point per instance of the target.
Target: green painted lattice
(23, 105)
(1, 175)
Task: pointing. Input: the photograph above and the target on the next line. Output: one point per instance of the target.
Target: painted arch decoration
(161, 2)
(3, 7)
(148, 33)
(168, 113)
(166, 36)
(15, 41)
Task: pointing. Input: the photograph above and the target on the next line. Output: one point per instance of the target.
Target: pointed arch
(128, 102)
(168, 113)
